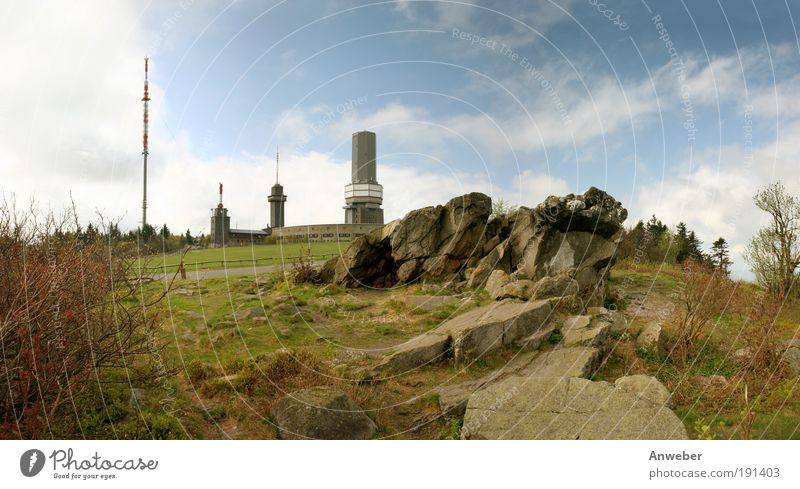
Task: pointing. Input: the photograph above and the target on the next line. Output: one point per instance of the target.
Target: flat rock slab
(566, 362)
(416, 352)
(321, 413)
(470, 335)
(579, 361)
(646, 387)
(585, 331)
(453, 398)
(490, 327)
(551, 408)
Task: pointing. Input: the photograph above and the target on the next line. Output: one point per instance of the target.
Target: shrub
(703, 296)
(303, 272)
(70, 313)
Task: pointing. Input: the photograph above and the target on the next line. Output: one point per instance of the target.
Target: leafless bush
(303, 272)
(761, 337)
(704, 294)
(69, 314)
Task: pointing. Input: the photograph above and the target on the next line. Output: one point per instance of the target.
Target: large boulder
(321, 413)
(367, 261)
(543, 408)
(595, 212)
(438, 241)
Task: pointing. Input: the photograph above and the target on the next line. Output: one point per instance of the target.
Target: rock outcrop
(321, 413)
(563, 246)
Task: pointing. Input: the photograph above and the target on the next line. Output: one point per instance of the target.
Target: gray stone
(367, 261)
(619, 324)
(408, 271)
(250, 313)
(189, 338)
(561, 285)
(517, 289)
(743, 354)
(470, 335)
(536, 339)
(137, 398)
(792, 354)
(645, 387)
(193, 314)
(578, 361)
(710, 381)
(321, 413)
(495, 283)
(585, 331)
(490, 327)
(565, 408)
(416, 352)
(652, 338)
(496, 259)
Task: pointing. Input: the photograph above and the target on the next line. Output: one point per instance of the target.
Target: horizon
(516, 102)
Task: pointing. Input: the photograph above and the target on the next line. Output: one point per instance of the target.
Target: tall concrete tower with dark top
(363, 196)
(276, 200)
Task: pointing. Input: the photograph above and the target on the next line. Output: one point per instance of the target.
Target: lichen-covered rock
(645, 387)
(561, 285)
(321, 413)
(546, 408)
(652, 338)
(367, 261)
(792, 354)
(495, 283)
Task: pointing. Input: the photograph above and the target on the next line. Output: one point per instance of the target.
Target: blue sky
(516, 99)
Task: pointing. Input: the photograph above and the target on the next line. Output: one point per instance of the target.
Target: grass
(709, 412)
(231, 368)
(233, 256)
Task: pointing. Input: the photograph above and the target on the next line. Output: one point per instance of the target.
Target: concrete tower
(363, 195)
(276, 200)
(220, 223)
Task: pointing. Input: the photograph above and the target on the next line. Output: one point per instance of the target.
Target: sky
(679, 109)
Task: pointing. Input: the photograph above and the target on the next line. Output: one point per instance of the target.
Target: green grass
(231, 256)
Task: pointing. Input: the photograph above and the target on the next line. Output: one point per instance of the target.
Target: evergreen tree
(188, 237)
(146, 232)
(91, 234)
(693, 247)
(720, 255)
(113, 232)
(164, 232)
(682, 243)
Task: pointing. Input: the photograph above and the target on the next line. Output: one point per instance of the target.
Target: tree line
(654, 242)
(773, 253)
(148, 238)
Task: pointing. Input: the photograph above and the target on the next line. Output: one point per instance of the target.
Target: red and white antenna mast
(145, 152)
(220, 195)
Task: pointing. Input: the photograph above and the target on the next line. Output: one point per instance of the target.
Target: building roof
(254, 232)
